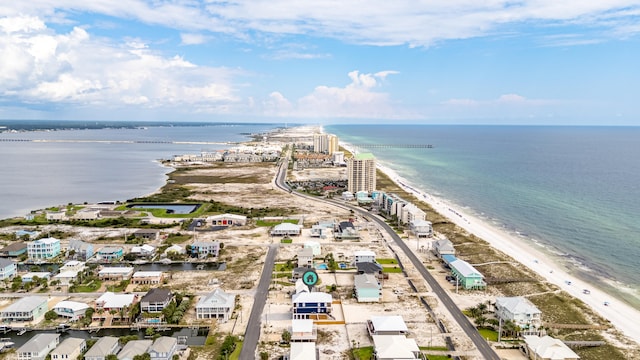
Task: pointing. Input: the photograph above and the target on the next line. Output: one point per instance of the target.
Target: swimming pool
(322, 266)
(171, 208)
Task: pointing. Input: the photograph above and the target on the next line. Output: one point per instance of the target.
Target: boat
(5, 329)
(22, 331)
(6, 344)
(63, 328)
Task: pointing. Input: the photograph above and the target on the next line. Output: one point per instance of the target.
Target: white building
(364, 256)
(395, 347)
(520, 311)
(71, 309)
(303, 351)
(163, 348)
(305, 257)
(115, 273)
(387, 325)
(421, 228)
(133, 348)
(314, 246)
(216, 305)
(8, 269)
(45, 248)
(286, 229)
(28, 308)
(548, 348)
(227, 220)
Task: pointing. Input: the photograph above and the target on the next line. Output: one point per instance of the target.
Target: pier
(398, 146)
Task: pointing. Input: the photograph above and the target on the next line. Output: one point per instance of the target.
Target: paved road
(252, 333)
(481, 344)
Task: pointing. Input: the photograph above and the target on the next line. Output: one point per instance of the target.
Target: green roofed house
(467, 275)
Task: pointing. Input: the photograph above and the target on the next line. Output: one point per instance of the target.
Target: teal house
(467, 275)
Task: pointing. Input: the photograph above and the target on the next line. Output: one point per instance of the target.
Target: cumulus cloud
(39, 65)
(360, 98)
(505, 99)
(193, 39)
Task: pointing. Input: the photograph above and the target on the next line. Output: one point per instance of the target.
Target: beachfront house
(387, 325)
(28, 308)
(69, 348)
(311, 305)
(38, 347)
(163, 348)
(548, 348)
(421, 228)
(443, 247)
(204, 249)
(117, 273)
(86, 215)
(56, 215)
(15, 249)
(286, 229)
(155, 300)
(8, 269)
(367, 288)
(409, 213)
(468, 277)
(216, 305)
(105, 345)
(395, 347)
(110, 253)
(45, 248)
(80, 250)
(305, 257)
(133, 348)
(72, 310)
(520, 311)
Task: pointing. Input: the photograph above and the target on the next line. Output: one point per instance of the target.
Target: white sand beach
(622, 316)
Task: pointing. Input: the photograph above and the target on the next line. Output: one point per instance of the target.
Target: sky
(323, 61)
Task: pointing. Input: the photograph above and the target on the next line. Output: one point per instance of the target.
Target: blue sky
(326, 61)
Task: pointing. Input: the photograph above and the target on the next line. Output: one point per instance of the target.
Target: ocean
(95, 165)
(573, 191)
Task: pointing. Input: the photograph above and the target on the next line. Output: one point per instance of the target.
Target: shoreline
(622, 316)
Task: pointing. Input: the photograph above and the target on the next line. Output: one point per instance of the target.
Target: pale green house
(467, 275)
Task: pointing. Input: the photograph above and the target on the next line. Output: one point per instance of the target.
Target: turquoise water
(575, 190)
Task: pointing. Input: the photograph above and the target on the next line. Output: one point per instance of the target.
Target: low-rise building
(227, 220)
(216, 305)
(45, 248)
(387, 325)
(468, 277)
(548, 348)
(35, 275)
(312, 305)
(56, 215)
(14, 249)
(520, 311)
(117, 302)
(163, 348)
(72, 310)
(147, 277)
(305, 257)
(303, 351)
(364, 256)
(421, 228)
(145, 250)
(28, 308)
(133, 348)
(147, 234)
(204, 249)
(81, 250)
(395, 347)
(110, 253)
(367, 288)
(8, 269)
(69, 348)
(155, 300)
(443, 247)
(371, 268)
(117, 273)
(314, 246)
(38, 347)
(286, 229)
(106, 345)
(303, 330)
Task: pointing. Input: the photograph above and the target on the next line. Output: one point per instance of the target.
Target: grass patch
(488, 334)
(235, 355)
(387, 261)
(364, 353)
(434, 348)
(389, 269)
(438, 357)
(274, 223)
(92, 286)
(288, 266)
(286, 241)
